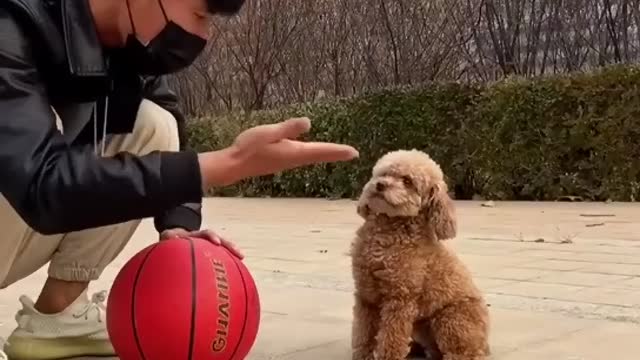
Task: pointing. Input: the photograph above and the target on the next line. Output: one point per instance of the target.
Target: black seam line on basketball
(193, 299)
(133, 302)
(246, 307)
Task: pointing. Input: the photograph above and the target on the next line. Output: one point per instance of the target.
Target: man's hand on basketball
(203, 234)
(268, 149)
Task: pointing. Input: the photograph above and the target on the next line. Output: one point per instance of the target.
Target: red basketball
(183, 299)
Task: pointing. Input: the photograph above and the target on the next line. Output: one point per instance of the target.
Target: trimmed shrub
(519, 139)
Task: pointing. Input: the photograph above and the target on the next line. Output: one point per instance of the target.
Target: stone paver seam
(590, 261)
(586, 286)
(311, 347)
(547, 269)
(561, 300)
(628, 277)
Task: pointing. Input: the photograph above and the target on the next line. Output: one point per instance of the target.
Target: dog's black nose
(380, 186)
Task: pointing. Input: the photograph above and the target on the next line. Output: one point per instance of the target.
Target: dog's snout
(380, 186)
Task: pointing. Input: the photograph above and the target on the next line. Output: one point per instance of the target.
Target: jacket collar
(85, 56)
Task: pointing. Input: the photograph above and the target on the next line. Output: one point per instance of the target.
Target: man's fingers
(266, 134)
(210, 235)
(218, 240)
(327, 152)
(233, 248)
(298, 153)
(295, 127)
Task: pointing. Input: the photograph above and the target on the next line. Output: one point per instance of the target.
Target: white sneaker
(3, 355)
(79, 330)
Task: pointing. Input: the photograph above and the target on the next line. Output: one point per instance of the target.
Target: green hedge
(540, 139)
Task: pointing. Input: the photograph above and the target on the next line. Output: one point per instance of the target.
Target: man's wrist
(173, 232)
(187, 216)
(217, 168)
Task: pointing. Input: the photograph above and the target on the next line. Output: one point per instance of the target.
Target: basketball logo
(222, 287)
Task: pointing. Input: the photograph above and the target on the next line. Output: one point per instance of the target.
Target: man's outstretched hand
(261, 150)
(206, 234)
(268, 149)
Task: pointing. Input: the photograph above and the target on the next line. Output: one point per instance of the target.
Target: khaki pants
(82, 255)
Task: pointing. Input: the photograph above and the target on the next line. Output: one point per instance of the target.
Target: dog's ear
(440, 212)
(363, 209)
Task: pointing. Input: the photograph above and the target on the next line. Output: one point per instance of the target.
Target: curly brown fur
(409, 285)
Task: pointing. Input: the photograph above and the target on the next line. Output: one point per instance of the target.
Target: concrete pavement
(563, 279)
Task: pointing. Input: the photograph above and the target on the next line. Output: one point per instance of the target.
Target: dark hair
(226, 7)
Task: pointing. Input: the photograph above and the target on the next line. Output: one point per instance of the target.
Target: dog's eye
(407, 180)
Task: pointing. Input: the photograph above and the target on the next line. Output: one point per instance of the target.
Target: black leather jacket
(50, 56)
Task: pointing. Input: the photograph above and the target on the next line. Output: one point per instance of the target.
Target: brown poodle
(409, 285)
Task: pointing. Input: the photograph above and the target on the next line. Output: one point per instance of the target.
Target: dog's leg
(397, 319)
(461, 331)
(424, 342)
(366, 322)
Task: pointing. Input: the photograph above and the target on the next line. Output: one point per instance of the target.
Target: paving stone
(582, 279)
(577, 301)
(559, 265)
(541, 290)
(597, 342)
(632, 282)
(513, 273)
(613, 269)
